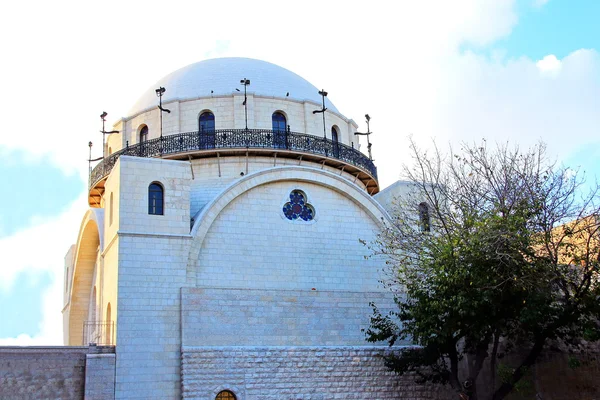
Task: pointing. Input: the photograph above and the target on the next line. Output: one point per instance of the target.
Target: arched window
(206, 126)
(334, 134)
(424, 218)
(334, 138)
(110, 210)
(155, 199)
(225, 395)
(279, 121)
(279, 132)
(206, 122)
(144, 133)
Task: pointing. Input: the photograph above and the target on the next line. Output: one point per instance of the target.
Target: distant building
(221, 254)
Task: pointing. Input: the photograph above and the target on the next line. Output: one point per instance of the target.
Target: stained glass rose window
(298, 207)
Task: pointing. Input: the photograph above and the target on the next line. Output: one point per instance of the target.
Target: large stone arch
(89, 242)
(332, 181)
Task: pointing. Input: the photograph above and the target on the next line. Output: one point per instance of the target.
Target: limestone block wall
(229, 114)
(252, 245)
(55, 372)
(243, 317)
(152, 270)
(136, 175)
(100, 377)
(212, 175)
(280, 373)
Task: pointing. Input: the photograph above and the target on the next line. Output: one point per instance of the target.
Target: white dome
(223, 75)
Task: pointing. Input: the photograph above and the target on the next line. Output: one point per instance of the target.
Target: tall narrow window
(144, 134)
(225, 395)
(424, 218)
(279, 132)
(207, 121)
(279, 122)
(335, 140)
(155, 199)
(206, 126)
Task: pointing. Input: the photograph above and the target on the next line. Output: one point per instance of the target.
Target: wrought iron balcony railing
(237, 139)
(101, 333)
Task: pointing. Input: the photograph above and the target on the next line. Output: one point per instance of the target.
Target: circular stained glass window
(298, 208)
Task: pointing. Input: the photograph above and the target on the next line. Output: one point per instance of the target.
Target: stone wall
(100, 377)
(279, 373)
(243, 317)
(56, 373)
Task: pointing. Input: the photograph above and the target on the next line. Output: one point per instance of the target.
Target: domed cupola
(221, 76)
(241, 108)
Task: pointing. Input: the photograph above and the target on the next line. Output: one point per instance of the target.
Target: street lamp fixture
(104, 133)
(323, 94)
(245, 82)
(159, 93)
(367, 133)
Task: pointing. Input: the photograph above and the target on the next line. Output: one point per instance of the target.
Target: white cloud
(42, 249)
(549, 65)
(539, 3)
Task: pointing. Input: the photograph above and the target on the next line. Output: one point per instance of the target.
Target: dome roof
(223, 75)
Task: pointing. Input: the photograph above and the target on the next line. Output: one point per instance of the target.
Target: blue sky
(558, 27)
(499, 69)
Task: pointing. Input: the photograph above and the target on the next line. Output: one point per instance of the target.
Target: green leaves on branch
(510, 263)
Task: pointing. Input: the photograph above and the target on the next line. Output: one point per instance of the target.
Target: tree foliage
(510, 262)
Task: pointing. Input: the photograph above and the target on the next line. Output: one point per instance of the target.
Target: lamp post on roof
(104, 133)
(367, 133)
(323, 94)
(245, 82)
(159, 94)
(90, 160)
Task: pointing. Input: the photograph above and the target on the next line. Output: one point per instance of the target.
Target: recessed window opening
(225, 395)
(144, 133)
(279, 122)
(155, 199)
(424, 218)
(298, 208)
(279, 130)
(206, 122)
(335, 140)
(334, 134)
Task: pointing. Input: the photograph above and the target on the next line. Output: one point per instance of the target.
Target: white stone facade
(223, 291)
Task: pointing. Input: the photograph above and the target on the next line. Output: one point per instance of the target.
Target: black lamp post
(159, 93)
(323, 94)
(90, 160)
(104, 133)
(367, 133)
(245, 82)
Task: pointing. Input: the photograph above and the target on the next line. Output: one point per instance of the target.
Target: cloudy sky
(504, 70)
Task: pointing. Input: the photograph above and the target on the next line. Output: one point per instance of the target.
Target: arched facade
(80, 296)
(257, 229)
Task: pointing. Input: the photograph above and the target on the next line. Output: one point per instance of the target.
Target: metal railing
(100, 333)
(237, 139)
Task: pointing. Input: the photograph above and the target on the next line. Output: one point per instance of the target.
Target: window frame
(143, 135)
(152, 208)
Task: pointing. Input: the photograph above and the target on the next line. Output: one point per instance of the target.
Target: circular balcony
(248, 142)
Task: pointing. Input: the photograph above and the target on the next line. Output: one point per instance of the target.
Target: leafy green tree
(492, 253)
